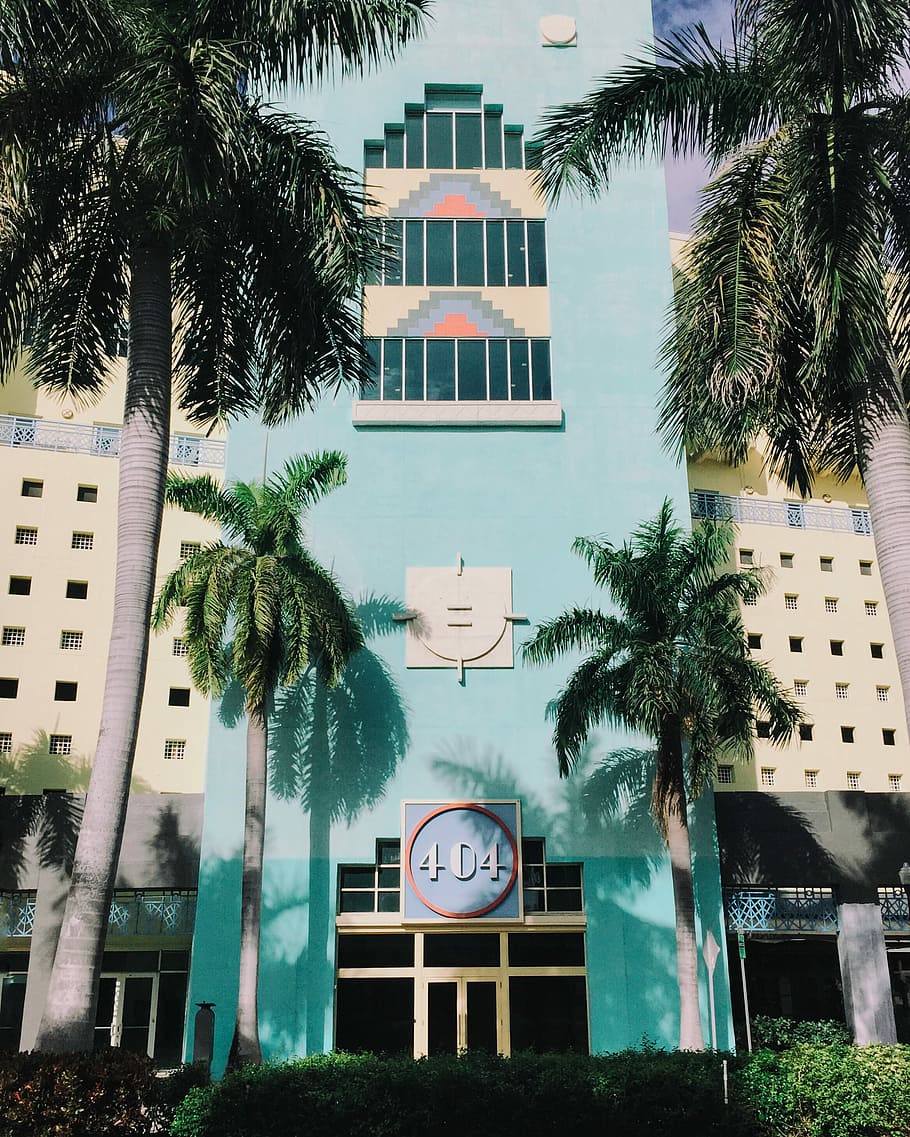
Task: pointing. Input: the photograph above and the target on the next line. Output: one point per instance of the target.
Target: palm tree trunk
(245, 1045)
(678, 845)
(885, 467)
(69, 1016)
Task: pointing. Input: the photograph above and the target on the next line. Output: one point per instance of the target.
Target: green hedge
(622, 1095)
(74, 1095)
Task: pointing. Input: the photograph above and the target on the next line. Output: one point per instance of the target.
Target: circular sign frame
(452, 807)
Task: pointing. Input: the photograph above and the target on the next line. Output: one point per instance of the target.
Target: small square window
(796, 643)
(747, 557)
(811, 777)
(826, 564)
(178, 697)
(71, 641)
(9, 688)
(175, 748)
(750, 601)
(13, 637)
(786, 560)
(871, 607)
(86, 493)
(60, 744)
(753, 640)
(178, 647)
(805, 732)
(837, 647)
(65, 691)
(188, 548)
(26, 535)
(6, 742)
(881, 693)
(82, 541)
(830, 603)
(800, 688)
(853, 779)
(767, 775)
(791, 602)
(894, 783)
(877, 651)
(762, 729)
(841, 690)
(32, 488)
(725, 775)
(865, 568)
(20, 585)
(847, 734)
(889, 736)
(76, 589)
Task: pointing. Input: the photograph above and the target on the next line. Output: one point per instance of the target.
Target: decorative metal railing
(140, 912)
(101, 441)
(780, 910)
(17, 913)
(895, 909)
(789, 514)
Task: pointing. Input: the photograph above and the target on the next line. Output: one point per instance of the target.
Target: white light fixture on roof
(558, 31)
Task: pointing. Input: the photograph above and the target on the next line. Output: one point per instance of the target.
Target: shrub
(74, 1095)
(475, 1095)
(781, 1033)
(831, 1090)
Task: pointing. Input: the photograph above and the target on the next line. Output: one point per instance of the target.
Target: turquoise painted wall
(514, 497)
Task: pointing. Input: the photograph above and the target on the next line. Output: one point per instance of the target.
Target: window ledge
(372, 412)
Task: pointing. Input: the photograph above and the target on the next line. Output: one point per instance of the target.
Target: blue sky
(685, 179)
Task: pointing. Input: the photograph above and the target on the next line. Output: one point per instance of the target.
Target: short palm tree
(143, 177)
(672, 664)
(284, 612)
(792, 319)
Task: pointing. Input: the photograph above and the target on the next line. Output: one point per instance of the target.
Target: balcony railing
(895, 909)
(706, 504)
(780, 910)
(100, 441)
(140, 912)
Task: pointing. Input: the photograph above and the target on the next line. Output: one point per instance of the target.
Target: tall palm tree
(793, 314)
(672, 664)
(285, 613)
(141, 176)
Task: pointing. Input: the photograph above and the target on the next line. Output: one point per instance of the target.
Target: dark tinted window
(376, 951)
(20, 585)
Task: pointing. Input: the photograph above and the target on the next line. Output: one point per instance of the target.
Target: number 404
(464, 862)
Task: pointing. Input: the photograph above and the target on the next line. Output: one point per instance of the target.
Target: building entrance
(462, 1014)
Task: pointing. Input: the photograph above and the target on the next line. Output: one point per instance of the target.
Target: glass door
(126, 1013)
(461, 1013)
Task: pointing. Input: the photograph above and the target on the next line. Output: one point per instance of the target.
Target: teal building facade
(430, 883)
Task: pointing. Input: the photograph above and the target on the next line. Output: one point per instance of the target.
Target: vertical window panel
(499, 369)
(373, 349)
(541, 387)
(440, 369)
(496, 254)
(537, 254)
(413, 133)
(469, 252)
(519, 379)
(472, 369)
(440, 252)
(393, 238)
(413, 369)
(394, 148)
(413, 252)
(492, 139)
(468, 142)
(373, 154)
(391, 369)
(439, 142)
(515, 242)
(514, 149)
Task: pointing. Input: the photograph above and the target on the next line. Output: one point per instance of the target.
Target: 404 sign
(461, 860)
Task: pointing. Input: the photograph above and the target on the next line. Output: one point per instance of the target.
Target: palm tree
(671, 664)
(141, 176)
(285, 613)
(792, 318)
